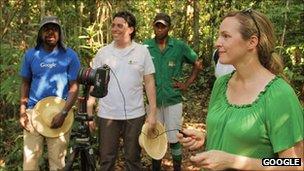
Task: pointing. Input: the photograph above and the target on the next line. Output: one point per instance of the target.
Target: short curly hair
(130, 19)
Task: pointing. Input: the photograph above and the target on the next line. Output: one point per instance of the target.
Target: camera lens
(86, 76)
(99, 78)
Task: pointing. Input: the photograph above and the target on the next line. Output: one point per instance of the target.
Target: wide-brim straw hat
(156, 143)
(43, 114)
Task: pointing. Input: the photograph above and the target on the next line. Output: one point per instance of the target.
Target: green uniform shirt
(168, 66)
(272, 123)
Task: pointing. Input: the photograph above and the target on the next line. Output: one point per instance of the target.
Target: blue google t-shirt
(49, 72)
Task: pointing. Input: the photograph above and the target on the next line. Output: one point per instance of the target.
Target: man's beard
(51, 43)
(161, 37)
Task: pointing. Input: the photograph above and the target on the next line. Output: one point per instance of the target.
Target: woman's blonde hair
(256, 23)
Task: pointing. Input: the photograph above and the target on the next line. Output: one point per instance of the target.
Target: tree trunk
(81, 7)
(285, 27)
(42, 8)
(185, 29)
(196, 26)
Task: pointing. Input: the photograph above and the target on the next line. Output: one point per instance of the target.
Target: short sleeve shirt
(168, 65)
(49, 72)
(272, 123)
(125, 89)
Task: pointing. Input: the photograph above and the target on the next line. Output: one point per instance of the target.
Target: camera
(98, 78)
(87, 77)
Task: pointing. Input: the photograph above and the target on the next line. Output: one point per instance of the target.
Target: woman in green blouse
(253, 112)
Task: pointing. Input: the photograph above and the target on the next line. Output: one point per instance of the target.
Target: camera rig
(98, 79)
(87, 77)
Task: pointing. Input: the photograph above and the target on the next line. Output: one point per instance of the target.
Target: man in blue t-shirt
(49, 69)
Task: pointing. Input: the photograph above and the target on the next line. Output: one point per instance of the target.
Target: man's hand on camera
(92, 125)
(58, 120)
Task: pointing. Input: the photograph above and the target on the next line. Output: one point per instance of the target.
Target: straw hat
(154, 144)
(43, 114)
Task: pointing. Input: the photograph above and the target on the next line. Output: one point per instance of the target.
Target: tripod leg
(87, 160)
(69, 163)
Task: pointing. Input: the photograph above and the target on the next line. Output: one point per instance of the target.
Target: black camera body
(98, 78)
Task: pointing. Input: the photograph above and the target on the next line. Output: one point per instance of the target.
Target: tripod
(82, 137)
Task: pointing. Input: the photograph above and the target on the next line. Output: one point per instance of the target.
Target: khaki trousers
(33, 148)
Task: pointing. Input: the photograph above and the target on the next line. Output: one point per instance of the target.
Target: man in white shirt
(121, 112)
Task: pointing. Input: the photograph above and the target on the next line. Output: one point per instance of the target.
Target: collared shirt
(168, 66)
(125, 89)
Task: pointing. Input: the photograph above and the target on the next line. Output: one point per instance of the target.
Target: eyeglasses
(249, 11)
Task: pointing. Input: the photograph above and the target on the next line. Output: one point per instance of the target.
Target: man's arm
(90, 110)
(25, 88)
(72, 97)
(151, 94)
(196, 68)
(90, 103)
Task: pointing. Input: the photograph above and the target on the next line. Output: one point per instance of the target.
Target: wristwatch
(64, 113)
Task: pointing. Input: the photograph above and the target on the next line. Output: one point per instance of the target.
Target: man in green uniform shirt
(168, 55)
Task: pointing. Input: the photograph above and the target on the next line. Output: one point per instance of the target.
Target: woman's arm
(219, 160)
(58, 119)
